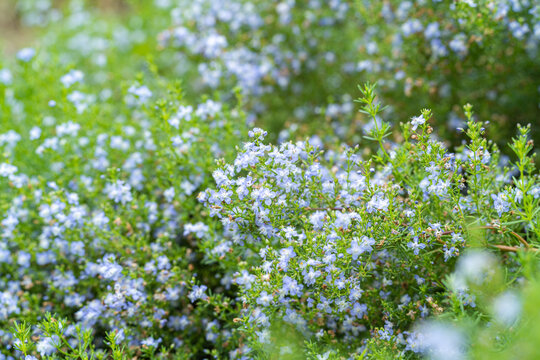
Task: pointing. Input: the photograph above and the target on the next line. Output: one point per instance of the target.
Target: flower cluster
(139, 218)
(344, 247)
(438, 52)
(99, 217)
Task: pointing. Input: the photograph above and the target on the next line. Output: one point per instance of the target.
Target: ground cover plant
(207, 180)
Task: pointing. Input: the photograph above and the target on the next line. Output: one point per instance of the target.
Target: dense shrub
(141, 219)
(298, 63)
(297, 58)
(355, 249)
(99, 207)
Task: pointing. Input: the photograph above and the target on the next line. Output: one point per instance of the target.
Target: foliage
(296, 59)
(99, 207)
(139, 218)
(353, 249)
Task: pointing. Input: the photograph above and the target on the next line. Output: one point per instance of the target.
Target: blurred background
(298, 64)
(13, 34)
(22, 20)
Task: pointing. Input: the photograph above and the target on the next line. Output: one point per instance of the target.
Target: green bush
(141, 219)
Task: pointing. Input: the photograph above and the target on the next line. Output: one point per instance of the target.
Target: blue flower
(198, 292)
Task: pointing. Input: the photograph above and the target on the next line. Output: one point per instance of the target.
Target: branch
(522, 240)
(512, 248)
(501, 247)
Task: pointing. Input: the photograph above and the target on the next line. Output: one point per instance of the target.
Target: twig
(512, 248)
(440, 241)
(522, 240)
(500, 247)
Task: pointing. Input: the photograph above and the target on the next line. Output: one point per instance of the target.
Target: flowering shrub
(441, 53)
(140, 219)
(354, 249)
(99, 212)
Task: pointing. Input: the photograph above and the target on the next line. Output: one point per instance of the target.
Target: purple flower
(500, 203)
(415, 245)
(291, 287)
(198, 292)
(417, 120)
(359, 247)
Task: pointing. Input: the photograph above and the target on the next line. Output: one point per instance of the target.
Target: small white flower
(6, 77)
(26, 54)
(72, 77)
(417, 120)
(35, 133)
